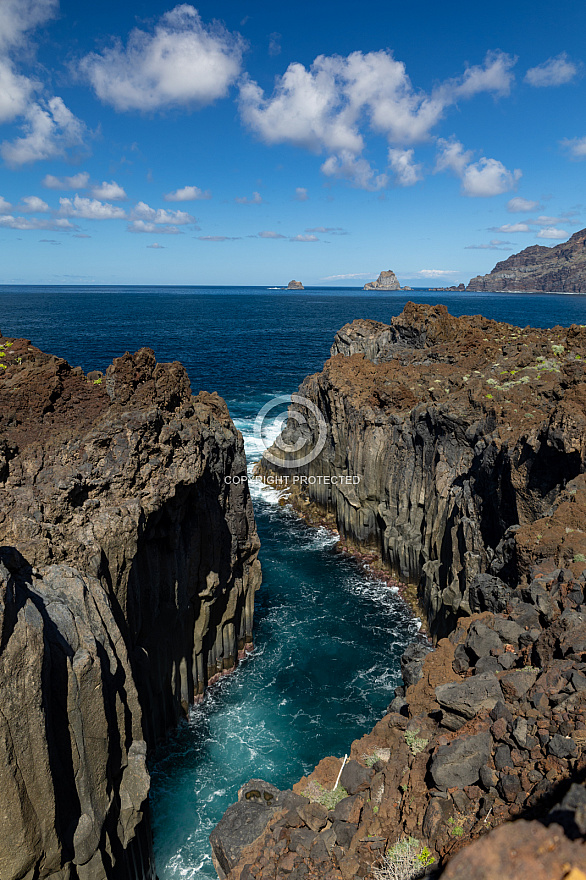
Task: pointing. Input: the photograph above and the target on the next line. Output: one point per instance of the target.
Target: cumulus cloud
(304, 238)
(90, 209)
(50, 130)
(5, 207)
(112, 191)
(575, 146)
(406, 171)
(481, 179)
(511, 227)
(324, 108)
(187, 194)
(301, 194)
(519, 205)
(143, 226)
(77, 181)
(270, 234)
(255, 200)
(552, 232)
(34, 205)
(357, 171)
(8, 221)
(494, 244)
(17, 17)
(553, 72)
(181, 63)
(142, 211)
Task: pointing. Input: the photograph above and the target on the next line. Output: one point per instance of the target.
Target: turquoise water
(328, 638)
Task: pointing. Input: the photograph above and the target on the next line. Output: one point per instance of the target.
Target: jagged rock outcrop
(561, 268)
(295, 285)
(387, 280)
(128, 478)
(491, 728)
(73, 776)
(456, 431)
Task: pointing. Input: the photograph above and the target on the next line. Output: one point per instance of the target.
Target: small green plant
(558, 350)
(19, 360)
(407, 859)
(415, 743)
(375, 809)
(579, 557)
(98, 381)
(455, 829)
(489, 396)
(317, 794)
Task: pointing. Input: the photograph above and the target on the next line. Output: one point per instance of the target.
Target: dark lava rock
(412, 662)
(562, 746)
(482, 640)
(355, 777)
(467, 697)
(458, 764)
(488, 593)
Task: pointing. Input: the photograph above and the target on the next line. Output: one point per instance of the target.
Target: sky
(252, 143)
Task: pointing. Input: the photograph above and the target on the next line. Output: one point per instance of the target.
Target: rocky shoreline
(469, 438)
(128, 575)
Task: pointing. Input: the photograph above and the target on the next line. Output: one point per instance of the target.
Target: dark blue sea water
(328, 638)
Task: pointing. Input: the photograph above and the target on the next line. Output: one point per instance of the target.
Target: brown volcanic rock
(458, 429)
(560, 268)
(73, 777)
(127, 477)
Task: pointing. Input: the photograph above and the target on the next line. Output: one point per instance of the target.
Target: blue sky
(234, 143)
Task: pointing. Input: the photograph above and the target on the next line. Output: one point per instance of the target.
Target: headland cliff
(128, 575)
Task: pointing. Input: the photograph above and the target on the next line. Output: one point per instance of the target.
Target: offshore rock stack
(131, 567)
(469, 437)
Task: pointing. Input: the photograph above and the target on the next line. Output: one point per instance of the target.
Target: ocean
(328, 637)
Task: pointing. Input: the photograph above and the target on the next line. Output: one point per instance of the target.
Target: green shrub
(415, 743)
(407, 859)
(320, 795)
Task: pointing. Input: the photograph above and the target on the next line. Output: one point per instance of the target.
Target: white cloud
(5, 207)
(15, 91)
(112, 191)
(511, 227)
(553, 72)
(148, 228)
(142, 211)
(156, 247)
(519, 205)
(301, 194)
(544, 220)
(434, 273)
(575, 146)
(349, 275)
(90, 209)
(552, 232)
(494, 244)
(407, 173)
(34, 204)
(270, 234)
(332, 230)
(255, 200)
(187, 194)
(304, 238)
(25, 223)
(357, 171)
(183, 62)
(19, 16)
(324, 108)
(219, 238)
(78, 181)
(50, 130)
(275, 44)
(484, 178)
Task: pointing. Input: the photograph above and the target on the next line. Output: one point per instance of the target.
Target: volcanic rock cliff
(468, 437)
(456, 432)
(126, 477)
(387, 280)
(561, 268)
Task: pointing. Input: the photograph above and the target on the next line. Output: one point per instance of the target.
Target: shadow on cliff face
(73, 766)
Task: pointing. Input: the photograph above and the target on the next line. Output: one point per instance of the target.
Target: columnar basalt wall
(456, 430)
(127, 477)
